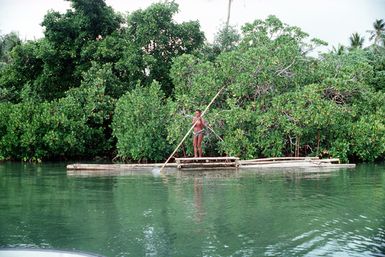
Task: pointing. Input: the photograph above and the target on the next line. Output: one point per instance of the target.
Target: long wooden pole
(212, 130)
(192, 127)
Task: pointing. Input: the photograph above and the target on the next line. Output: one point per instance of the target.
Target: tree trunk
(228, 14)
(297, 146)
(318, 142)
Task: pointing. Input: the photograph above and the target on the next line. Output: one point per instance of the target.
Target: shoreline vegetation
(124, 87)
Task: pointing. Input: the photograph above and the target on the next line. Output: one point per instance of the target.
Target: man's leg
(199, 143)
(195, 144)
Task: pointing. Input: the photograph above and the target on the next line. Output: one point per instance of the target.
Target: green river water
(246, 213)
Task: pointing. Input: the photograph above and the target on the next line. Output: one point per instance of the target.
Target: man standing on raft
(198, 133)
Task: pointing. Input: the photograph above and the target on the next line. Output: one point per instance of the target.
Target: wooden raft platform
(296, 162)
(204, 163)
(106, 167)
(218, 163)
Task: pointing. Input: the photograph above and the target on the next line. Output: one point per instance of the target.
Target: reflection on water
(198, 191)
(292, 212)
(208, 174)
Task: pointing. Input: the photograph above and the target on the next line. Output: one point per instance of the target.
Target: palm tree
(339, 50)
(378, 32)
(356, 41)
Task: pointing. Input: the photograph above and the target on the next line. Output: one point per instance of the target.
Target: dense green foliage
(72, 126)
(7, 43)
(278, 101)
(140, 124)
(104, 84)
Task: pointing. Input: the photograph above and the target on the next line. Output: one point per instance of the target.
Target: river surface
(249, 213)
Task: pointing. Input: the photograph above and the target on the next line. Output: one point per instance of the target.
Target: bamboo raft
(204, 163)
(87, 166)
(219, 163)
(293, 162)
